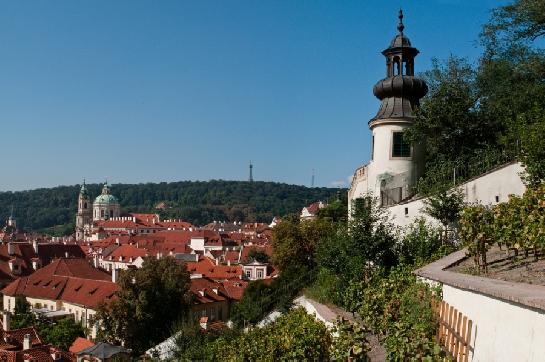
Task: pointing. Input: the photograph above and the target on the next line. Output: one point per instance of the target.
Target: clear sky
(146, 91)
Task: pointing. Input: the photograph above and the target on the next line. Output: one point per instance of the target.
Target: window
(400, 147)
(101, 213)
(373, 149)
(248, 273)
(111, 213)
(260, 274)
(85, 205)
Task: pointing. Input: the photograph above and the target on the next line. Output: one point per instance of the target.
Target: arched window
(102, 213)
(85, 205)
(397, 66)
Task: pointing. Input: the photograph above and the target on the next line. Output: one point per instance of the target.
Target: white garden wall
(502, 331)
(488, 189)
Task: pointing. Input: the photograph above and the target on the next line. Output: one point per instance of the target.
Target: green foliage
(198, 202)
(399, 309)
(422, 244)
(260, 298)
(447, 120)
(60, 333)
(295, 336)
(191, 339)
(336, 210)
(445, 206)
(476, 232)
(257, 255)
(520, 21)
(151, 299)
(532, 148)
(350, 342)
(294, 243)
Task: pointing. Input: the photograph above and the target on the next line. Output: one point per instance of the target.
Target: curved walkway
(329, 314)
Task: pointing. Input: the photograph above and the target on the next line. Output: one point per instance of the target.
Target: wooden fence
(454, 332)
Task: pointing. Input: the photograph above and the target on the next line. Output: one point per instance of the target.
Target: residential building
(68, 285)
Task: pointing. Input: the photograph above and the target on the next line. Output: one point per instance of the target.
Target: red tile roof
(80, 344)
(208, 268)
(69, 280)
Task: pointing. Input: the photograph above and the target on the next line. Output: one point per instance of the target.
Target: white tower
(395, 165)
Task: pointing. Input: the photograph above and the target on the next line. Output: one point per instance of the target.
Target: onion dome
(106, 198)
(400, 92)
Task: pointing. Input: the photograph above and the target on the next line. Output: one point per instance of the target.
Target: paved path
(329, 314)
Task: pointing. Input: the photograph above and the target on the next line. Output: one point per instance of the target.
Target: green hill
(53, 210)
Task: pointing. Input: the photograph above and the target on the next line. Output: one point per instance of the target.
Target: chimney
(6, 320)
(117, 242)
(217, 262)
(35, 246)
(115, 275)
(26, 342)
(11, 248)
(204, 322)
(228, 262)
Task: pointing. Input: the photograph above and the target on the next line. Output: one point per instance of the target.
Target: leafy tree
(61, 333)
(257, 255)
(22, 316)
(295, 243)
(476, 232)
(520, 21)
(336, 210)
(151, 299)
(447, 121)
(295, 336)
(445, 207)
(422, 243)
(532, 153)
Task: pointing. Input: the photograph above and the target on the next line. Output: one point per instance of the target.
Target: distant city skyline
(142, 91)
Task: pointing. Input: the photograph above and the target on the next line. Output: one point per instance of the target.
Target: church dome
(106, 198)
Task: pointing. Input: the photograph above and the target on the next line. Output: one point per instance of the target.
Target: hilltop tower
(395, 164)
(84, 216)
(251, 178)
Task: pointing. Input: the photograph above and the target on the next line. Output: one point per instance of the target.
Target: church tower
(395, 164)
(84, 217)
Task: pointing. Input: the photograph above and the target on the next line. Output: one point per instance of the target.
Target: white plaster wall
(502, 331)
(499, 183)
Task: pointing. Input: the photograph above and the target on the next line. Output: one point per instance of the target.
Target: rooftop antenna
(312, 179)
(251, 178)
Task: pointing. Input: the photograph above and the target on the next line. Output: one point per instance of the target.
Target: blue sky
(147, 91)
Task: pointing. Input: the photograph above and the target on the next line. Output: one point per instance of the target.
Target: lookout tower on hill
(395, 164)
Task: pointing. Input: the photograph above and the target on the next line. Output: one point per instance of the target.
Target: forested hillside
(53, 210)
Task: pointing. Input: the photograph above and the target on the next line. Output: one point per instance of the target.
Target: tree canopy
(151, 300)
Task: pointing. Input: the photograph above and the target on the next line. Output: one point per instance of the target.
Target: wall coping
(529, 295)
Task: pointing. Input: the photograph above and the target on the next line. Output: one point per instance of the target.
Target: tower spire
(400, 26)
(251, 178)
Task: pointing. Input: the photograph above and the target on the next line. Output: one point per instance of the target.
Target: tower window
(400, 147)
(85, 205)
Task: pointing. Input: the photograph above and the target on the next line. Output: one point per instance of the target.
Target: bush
(295, 336)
